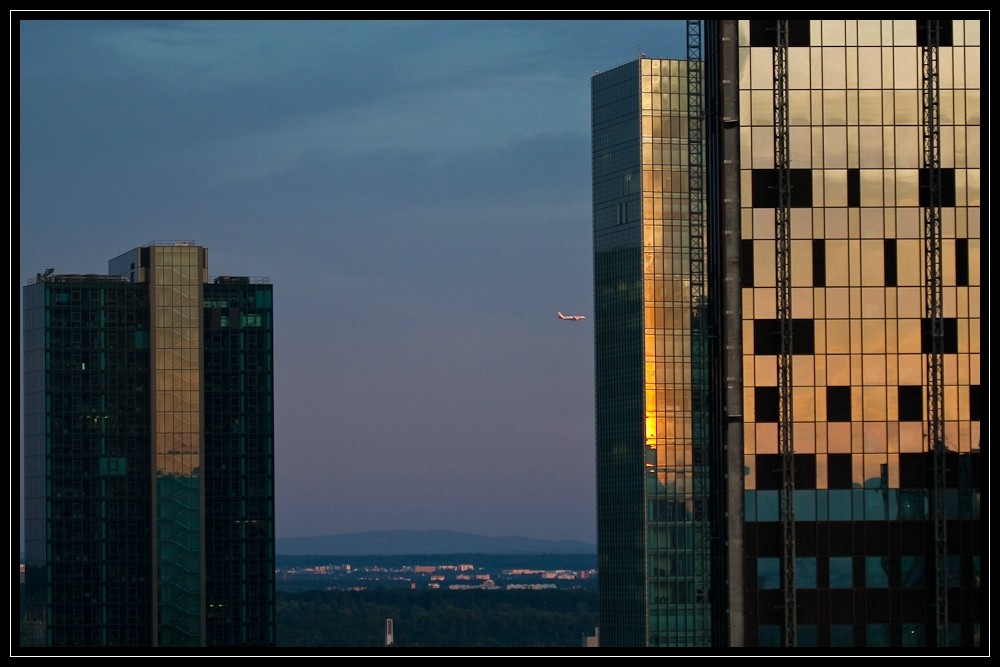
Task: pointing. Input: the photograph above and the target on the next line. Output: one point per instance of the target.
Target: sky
(417, 190)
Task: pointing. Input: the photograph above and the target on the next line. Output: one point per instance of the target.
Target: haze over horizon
(419, 194)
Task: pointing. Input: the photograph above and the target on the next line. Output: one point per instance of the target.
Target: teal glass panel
(805, 572)
(912, 571)
(913, 505)
(875, 505)
(954, 571)
(769, 635)
(841, 572)
(805, 504)
(806, 635)
(750, 505)
(913, 635)
(767, 505)
(822, 505)
(876, 572)
(841, 635)
(858, 504)
(840, 504)
(877, 634)
(769, 573)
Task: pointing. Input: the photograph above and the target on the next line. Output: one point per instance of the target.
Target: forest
(436, 618)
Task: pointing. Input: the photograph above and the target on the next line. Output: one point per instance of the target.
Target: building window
(764, 188)
(975, 403)
(819, 262)
(962, 262)
(841, 572)
(841, 635)
(838, 404)
(911, 404)
(767, 336)
(769, 635)
(769, 573)
(945, 33)
(891, 272)
(838, 470)
(805, 635)
(765, 33)
(805, 572)
(746, 263)
(876, 572)
(913, 634)
(946, 193)
(840, 505)
(949, 335)
(766, 404)
(912, 572)
(877, 634)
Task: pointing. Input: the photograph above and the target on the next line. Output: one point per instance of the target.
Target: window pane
(841, 575)
(768, 573)
(876, 572)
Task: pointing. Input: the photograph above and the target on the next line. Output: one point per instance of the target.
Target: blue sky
(418, 191)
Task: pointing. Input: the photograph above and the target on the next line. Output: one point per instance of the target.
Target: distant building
(592, 641)
(149, 455)
(389, 639)
(788, 296)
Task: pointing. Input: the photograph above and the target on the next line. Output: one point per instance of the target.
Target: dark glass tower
(788, 298)
(149, 446)
(652, 481)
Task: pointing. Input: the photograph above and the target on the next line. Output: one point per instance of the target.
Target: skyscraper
(787, 336)
(149, 455)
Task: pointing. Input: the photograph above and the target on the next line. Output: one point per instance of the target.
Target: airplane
(575, 318)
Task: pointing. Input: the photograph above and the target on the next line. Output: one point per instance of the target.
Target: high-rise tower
(149, 448)
(787, 291)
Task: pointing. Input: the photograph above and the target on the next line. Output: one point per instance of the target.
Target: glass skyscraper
(149, 455)
(787, 337)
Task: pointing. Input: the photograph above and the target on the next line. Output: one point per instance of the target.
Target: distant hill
(405, 542)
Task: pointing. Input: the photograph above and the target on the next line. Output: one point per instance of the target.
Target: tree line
(436, 618)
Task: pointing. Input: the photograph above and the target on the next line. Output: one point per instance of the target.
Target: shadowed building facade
(149, 455)
(787, 337)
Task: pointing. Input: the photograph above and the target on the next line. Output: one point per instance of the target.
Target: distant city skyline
(418, 193)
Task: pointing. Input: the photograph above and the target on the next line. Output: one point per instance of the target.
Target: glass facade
(835, 338)
(652, 484)
(149, 426)
(175, 280)
(239, 462)
(88, 566)
(863, 497)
